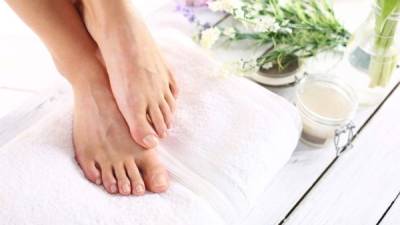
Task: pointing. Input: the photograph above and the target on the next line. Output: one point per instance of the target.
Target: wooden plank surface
(363, 182)
(303, 170)
(392, 217)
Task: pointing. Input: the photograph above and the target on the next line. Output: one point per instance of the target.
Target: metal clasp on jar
(347, 132)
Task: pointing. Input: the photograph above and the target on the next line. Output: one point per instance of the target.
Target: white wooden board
(361, 185)
(393, 215)
(298, 176)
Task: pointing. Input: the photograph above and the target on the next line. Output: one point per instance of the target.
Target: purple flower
(187, 12)
(196, 2)
(206, 26)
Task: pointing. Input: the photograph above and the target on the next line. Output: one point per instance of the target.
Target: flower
(229, 32)
(224, 5)
(196, 2)
(265, 23)
(286, 30)
(257, 7)
(248, 67)
(244, 67)
(209, 37)
(267, 65)
(186, 12)
(290, 27)
(239, 14)
(239, 68)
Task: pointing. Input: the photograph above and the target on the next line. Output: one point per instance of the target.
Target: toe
(137, 183)
(174, 89)
(172, 84)
(154, 174)
(90, 171)
(142, 132)
(171, 102)
(124, 185)
(158, 121)
(167, 114)
(109, 181)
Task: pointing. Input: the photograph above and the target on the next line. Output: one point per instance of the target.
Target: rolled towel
(230, 137)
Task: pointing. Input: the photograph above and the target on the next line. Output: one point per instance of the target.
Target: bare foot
(142, 83)
(103, 145)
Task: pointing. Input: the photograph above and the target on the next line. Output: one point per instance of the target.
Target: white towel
(229, 138)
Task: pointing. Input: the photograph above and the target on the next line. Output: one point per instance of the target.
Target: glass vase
(372, 55)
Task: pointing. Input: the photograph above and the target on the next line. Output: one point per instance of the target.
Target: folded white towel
(229, 138)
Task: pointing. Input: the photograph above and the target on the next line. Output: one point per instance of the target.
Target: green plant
(296, 29)
(384, 61)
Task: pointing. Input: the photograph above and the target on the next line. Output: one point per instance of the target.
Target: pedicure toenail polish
(150, 141)
(113, 188)
(126, 188)
(160, 180)
(139, 189)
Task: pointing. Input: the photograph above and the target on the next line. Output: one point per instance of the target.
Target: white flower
(209, 37)
(245, 68)
(224, 5)
(252, 13)
(286, 30)
(239, 68)
(229, 32)
(249, 66)
(275, 28)
(257, 6)
(239, 14)
(267, 65)
(265, 23)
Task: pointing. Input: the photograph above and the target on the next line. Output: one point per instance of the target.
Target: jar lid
(326, 100)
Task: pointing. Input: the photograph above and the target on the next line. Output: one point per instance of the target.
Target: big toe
(154, 173)
(142, 132)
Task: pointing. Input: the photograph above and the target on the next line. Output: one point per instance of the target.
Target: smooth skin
(123, 90)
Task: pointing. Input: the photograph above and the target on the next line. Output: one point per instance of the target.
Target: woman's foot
(103, 145)
(142, 83)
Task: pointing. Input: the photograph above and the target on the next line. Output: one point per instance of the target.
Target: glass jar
(326, 104)
(373, 55)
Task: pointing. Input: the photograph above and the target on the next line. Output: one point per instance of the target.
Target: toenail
(160, 180)
(150, 141)
(98, 181)
(126, 188)
(139, 188)
(113, 188)
(165, 133)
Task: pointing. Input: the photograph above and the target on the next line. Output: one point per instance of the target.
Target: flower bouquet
(292, 31)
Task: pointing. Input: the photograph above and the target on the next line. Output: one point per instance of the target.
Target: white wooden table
(316, 187)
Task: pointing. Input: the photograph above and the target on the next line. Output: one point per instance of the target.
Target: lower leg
(103, 146)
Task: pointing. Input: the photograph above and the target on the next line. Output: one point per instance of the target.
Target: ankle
(105, 17)
(84, 76)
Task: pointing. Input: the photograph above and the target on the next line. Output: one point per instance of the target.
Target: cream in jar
(325, 104)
